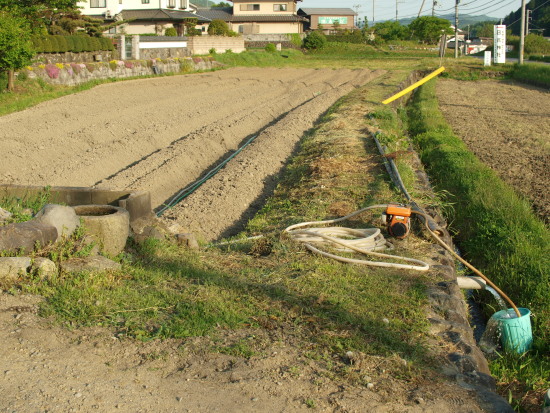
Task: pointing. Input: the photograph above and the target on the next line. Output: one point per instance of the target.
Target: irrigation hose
(466, 263)
(185, 192)
(365, 241)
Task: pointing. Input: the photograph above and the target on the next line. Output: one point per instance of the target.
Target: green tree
(218, 27)
(391, 30)
(222, 4)
(315, 40)
(428, 29)
(16, 48)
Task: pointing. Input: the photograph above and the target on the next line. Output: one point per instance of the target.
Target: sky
(385, 9)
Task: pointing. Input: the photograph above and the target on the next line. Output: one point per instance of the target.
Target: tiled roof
(222, 13)
(327, 12)
(160, 15)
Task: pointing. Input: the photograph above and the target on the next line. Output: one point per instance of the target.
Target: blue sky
(385, 9)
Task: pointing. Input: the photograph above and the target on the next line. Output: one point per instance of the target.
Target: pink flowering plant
(52, 71)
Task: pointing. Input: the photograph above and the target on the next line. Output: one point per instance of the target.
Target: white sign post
(487, 60)
(500, 43)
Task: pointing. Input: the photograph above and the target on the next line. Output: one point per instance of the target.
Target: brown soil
(160, 135)
(507, 126)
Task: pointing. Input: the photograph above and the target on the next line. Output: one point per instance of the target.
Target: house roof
(161, 15)
(226, 14)
(328, 12)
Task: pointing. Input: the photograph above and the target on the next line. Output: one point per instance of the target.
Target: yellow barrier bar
(412, 87)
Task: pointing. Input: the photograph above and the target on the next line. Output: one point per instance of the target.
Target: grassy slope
(496, 230)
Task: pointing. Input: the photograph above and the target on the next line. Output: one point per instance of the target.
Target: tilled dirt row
(507, 127)
(160, 135)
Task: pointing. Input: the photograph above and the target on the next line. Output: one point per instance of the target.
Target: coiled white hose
(364, 241)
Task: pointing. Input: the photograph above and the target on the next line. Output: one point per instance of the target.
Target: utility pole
(456, 28)
(433, 7)
(421, 7)
(522, 34)
(396, 9)
(373, 12)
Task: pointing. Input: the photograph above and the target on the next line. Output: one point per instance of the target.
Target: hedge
(75, 43)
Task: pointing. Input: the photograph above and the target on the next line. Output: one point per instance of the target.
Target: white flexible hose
(364, 241)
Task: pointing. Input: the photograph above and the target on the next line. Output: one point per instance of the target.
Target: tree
(218, 27)
(428, 29)
(221, 4)
(16, 48)
(315, 40)
(39, 13)
(391, 30)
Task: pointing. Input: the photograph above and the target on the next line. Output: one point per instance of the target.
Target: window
(279, 7)
(250, 7)
(145, 1)
(172, 4)
(98, 3)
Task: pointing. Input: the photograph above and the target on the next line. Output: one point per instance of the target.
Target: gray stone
(4, 215)
(188, 240)
(89, 264)
(12, 268)
(63, 218)
(26, 235)
(44, 267)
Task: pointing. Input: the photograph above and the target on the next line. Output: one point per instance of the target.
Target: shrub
(63, 46)
(90, 66)
(315, 40)
(106, 43)
(212, 51)
(88, 44)
(218, 27)
(23, 74)
(113, 64)
(186, 65)
(95, 43)
(536, 44)
(47, 45)
(296, 39)
(171, 31)
(38, 44)
(70, 43)
(54, 44)
(271, 48)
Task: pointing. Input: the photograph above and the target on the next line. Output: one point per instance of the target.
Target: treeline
(539, 18)
(74, 43)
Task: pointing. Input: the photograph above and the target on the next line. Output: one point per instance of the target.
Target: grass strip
(533, 73)
(496, 230)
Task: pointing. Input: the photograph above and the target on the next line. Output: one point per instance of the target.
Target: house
(144, 16)
(328, 18)
(257, 16)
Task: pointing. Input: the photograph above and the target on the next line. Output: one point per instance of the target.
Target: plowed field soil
(508, 127)
(160, 135)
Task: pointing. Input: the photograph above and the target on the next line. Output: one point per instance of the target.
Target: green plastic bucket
(515, 331)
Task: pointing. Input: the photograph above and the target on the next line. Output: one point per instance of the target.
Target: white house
(110, 8)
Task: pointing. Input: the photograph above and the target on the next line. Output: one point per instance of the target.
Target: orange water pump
(397, 219)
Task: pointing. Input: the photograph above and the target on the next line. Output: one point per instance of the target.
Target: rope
(364, 241)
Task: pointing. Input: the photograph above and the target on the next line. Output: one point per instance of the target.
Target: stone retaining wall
(76, 73)
(69, 57)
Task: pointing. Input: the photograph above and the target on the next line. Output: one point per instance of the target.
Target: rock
(152, 231)
(44, 267)
(187, 240)
(13, 267)
(63, 218)
(26, 235)
(89, 264)
(4, 215)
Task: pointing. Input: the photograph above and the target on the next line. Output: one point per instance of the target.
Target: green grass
(495, 228)
(23, 208)
(533, 73)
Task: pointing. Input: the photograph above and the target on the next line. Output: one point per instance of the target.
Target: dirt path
(508, 127)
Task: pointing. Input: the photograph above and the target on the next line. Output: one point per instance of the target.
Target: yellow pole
(412, 87)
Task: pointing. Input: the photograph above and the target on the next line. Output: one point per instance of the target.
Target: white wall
(116, 6)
